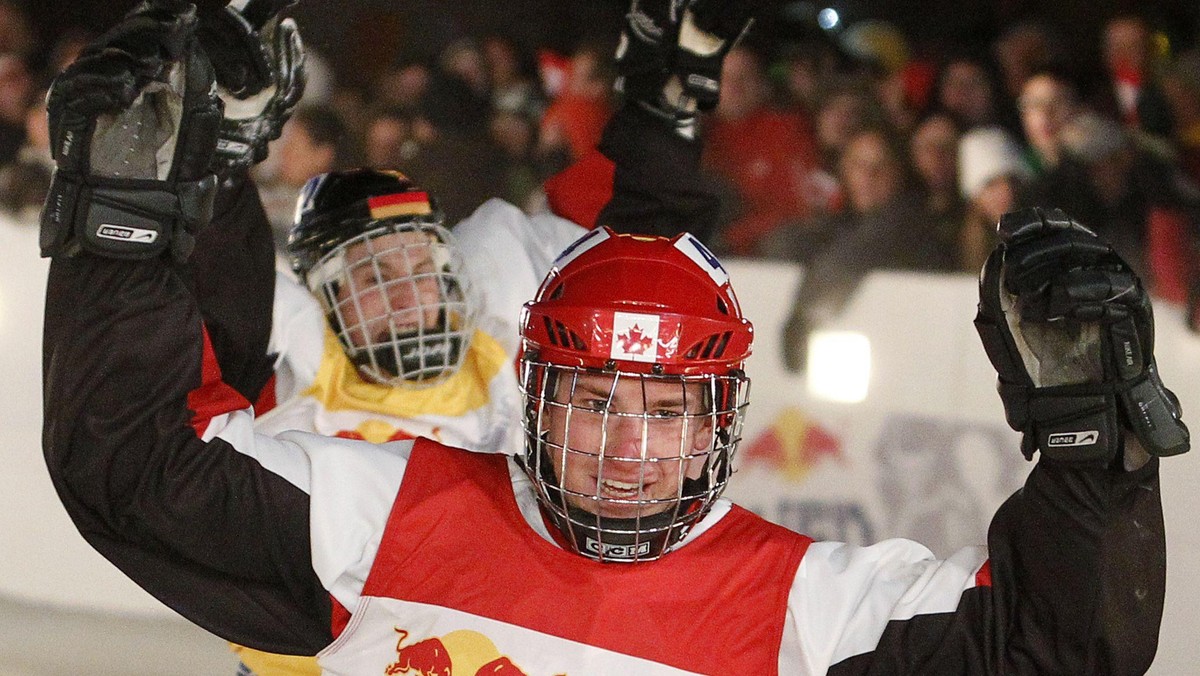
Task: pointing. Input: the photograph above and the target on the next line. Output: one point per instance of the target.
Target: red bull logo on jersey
(454, 654)
(793, 445)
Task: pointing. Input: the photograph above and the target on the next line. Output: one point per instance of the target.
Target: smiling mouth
(622, 490)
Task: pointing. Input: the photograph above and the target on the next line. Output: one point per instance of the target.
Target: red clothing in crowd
(770, 157)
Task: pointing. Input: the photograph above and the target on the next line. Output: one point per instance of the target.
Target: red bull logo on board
(793, 446)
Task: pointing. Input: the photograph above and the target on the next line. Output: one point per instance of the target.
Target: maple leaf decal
(634, 342)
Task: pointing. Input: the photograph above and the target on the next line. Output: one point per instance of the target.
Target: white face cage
(626, 463)
(400, 302)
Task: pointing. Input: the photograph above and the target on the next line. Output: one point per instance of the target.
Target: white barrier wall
(925, 454)
(43, 559)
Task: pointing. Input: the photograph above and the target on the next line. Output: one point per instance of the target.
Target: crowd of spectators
(845, 153)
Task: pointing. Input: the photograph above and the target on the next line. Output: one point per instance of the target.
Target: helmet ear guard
(633, 311)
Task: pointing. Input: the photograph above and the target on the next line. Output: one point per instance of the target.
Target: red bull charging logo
(458, 653)
(793, 445)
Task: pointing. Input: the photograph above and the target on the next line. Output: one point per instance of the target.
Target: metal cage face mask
(400, 302)
(626, 463)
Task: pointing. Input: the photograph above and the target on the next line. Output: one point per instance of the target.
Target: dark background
(360, 37)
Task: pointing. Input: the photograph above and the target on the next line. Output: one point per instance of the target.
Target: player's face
(391, 285)
(623, 448)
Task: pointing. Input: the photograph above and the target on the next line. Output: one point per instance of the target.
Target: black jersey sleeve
(232, 274)
(131, 380)
(657, 188)
(1074, 584)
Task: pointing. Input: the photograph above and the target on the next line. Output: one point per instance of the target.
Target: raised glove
(670, 54)
(133, 125)
(243, 63)
(1069, 329)
(710, 28)
(259, 64)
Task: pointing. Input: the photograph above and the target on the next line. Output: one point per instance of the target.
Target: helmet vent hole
(577, 342)
(557, 292)
(721, 306)
(550, 331)
(720, 349)
(710, 348)
(561, 336)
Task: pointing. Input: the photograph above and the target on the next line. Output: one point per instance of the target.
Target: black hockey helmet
(371, 246)
(340, 205)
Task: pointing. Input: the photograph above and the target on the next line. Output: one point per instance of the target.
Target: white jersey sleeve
(507, 253)
(297, 337)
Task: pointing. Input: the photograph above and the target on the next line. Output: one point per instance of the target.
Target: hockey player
(409, 330)
(604, 547)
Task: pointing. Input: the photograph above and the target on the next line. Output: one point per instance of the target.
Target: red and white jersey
(319, 390)
(465, 559)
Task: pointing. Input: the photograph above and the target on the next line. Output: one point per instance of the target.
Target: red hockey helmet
(645, 304)
(634, 393)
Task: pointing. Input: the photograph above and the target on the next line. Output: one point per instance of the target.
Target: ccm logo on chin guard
(1073, 439)
(124, 233)
(615, 551)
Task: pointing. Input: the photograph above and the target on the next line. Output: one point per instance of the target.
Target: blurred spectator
(463, 59)
(1134, 95)
(576, 116)
(314, 141)
(1181, 86)
(1138, 201)
(844, 110)
(516, 135)
(455, 157)
(1022, 50)
(967, 91)
(24, 182)
(884, 53)
(513, 73)
(883, 226)
(765, 153)
(1047, 103)
(933, 154)
(16, 35)
(388, 140)
(16, 92)
(991, 172)
(806, 68)
(403, 86)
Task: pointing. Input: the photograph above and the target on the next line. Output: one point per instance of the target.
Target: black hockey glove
(670, 54)
(243, 63)
(709, 30)
(259, 64)
(1069, 329)
(133, 126)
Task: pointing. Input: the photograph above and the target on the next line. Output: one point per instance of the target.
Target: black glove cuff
(124, 219)
(1073, 423)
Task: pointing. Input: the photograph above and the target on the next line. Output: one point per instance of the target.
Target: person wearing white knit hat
(990, 168)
